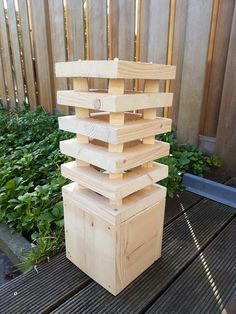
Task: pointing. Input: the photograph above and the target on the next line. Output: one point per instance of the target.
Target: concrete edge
(13, 244)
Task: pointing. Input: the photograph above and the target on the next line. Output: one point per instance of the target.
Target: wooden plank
(178, 55)
(42, 52)
(75, 29)
(115, 69)
(15, 48)
(6, 60)
(226, 132)
(97, 34)
(99, 156)
(99, 205)
(194, 66)
(111, 253)
(122, 30)
(57, 35)
(115, 134)
(114, 103)
(99, 182)
(3, 97)
(154, 32)
(211, 105)
(27, 52)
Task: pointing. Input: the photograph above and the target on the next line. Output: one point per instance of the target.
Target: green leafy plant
(182, 159)
(30, 185)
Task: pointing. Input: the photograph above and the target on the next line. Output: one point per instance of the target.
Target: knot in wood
(97, 104)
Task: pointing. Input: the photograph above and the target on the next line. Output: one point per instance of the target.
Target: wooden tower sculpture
(114, 211)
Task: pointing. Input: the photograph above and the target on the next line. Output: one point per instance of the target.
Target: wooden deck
(196, 273)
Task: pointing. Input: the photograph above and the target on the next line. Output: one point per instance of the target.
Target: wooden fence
(198, 36)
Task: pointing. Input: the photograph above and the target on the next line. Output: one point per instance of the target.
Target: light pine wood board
(15, 48)
(115, 134)
(194, 67)
(6, 59)
(58, 43)
(114, 103)
(115, 69)
(113, 254)
(99, 205)
(27, 52)
(99, 182)
(42, 53)
(99, 156)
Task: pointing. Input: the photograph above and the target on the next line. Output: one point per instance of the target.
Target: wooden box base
(113, 244)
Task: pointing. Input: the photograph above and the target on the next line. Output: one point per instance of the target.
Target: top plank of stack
(115, 69)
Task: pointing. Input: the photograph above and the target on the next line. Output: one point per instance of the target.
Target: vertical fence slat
(194, 66)
(15, 49)
(27, 52)
(154, 34)
(75, 29)
(123, 31)
(178, 55)
(43, 54)
(154, 30)
(211, 105)
(6, 60)
(57, 36)
(3, 96)
(97, 36)
(226, 131)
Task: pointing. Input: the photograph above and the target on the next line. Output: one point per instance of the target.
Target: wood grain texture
(226, 131)
(15, 48)
(3, 96)
(154, 33)
(43, 54)
(212, 100)
(178, 55)
(117, 69)
(99, 182)
(194, 66)
(6, 60)
(97, 35)
(123, 31)
(117, 252)
(115, 134)
(75, 29)
(58, 44)
(99, 156)
(27, 52)
(114, 103)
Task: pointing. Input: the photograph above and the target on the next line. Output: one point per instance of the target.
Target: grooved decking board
(113, 103)
(115, 134)
(99, 182)
(115, 69)
(205, 220)
(207, 283)
(99, 156)
(39, 292)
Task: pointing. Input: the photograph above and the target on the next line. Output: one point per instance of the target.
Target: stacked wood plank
(114, 210)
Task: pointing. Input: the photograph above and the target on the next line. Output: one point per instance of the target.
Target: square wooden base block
(113, 245)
